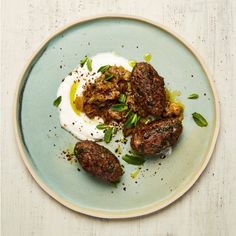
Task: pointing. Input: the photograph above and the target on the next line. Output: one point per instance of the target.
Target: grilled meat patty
(156, 136)
(148, 90)
(98, 161)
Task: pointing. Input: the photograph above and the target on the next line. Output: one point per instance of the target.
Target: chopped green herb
(147, 57)
(114, 184)
(119, 107)
(122, 98)
(89, 64)
(199, 119)
(102, 126)
(132, 121)
(114, 130)
(57, 102)
(103, 69)
(128, 113)
(193, 96)
(146, 120)
(108, 135)
(83, 61)
(137, 120)
(108, 76)
(133, 160)
(132, 63)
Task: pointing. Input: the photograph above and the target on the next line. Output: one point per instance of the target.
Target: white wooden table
(209, 208)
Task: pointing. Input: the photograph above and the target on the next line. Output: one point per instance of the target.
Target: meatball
(156, 136)
(148, 90)
(98, 161)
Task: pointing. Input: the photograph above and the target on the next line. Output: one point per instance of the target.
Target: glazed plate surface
(41, 140)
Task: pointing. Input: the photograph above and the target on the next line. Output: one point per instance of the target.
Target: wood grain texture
(209, 208)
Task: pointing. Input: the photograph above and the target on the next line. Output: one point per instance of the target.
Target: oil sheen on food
(72, 119)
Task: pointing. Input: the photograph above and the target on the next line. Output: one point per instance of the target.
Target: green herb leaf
(147, 57)
(114, 130)
(115, 184)
(103, 69)
(89, 64)
(137, 120)
(83, 61)
(132, 121)
(133, 160)
(119, 107)
(130, 112)
(199, 119)
(132, 63)
(193, 96)
(108, 135)
(102, 126)
(146, 120)
(57, 102)
(122, 98)
(108, 76)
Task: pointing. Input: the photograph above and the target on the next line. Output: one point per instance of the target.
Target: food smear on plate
(73, 118)
(106, 94)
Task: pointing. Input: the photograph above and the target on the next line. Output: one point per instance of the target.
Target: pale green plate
(161, 181)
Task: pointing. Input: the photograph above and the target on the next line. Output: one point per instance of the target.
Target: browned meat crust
(148, 90)
(98, 161)
(156, 136)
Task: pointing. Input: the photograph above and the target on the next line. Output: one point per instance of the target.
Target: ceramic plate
(42, 141)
